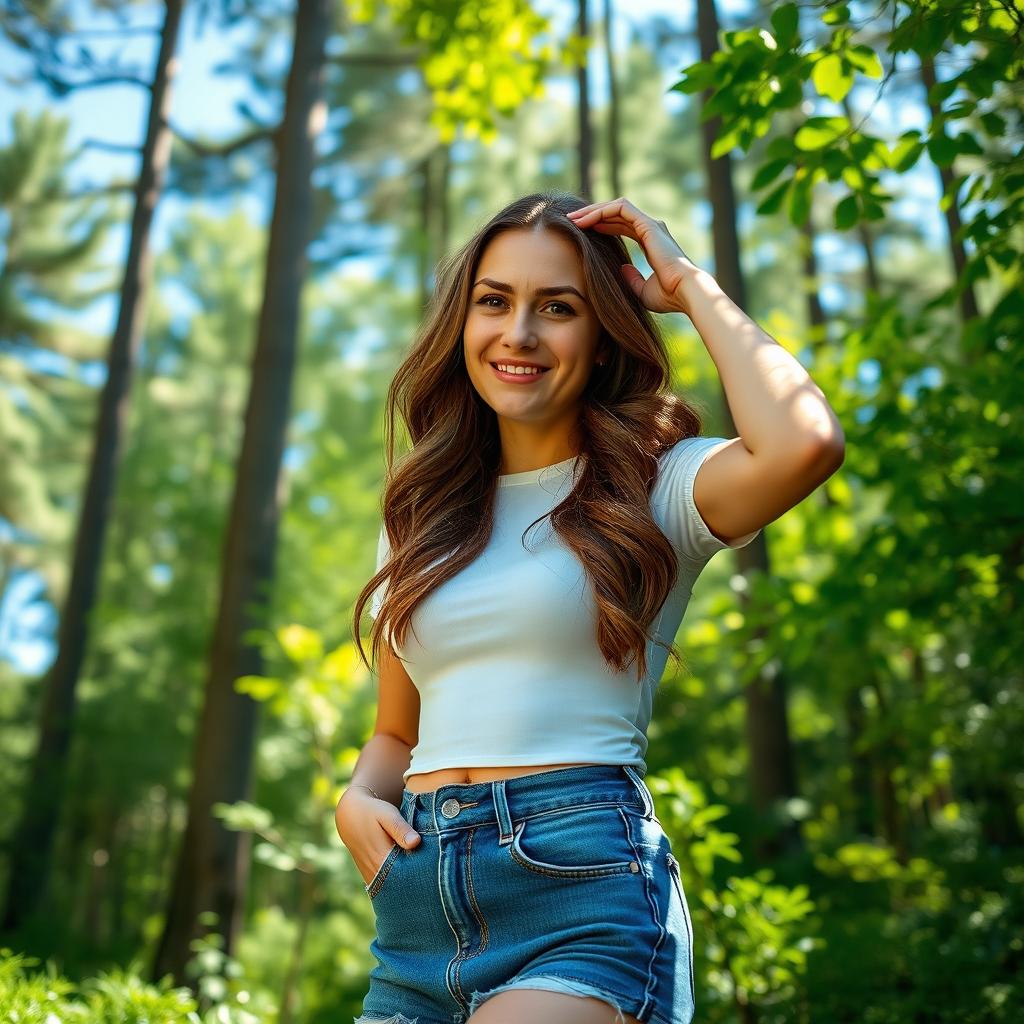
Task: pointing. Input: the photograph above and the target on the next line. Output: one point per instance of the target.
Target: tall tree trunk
(423, 260)
(213, 862)
(614, 152)
(434, 217)
(816, 324)
(33, 839)
(771, 769)
(443, 226)
(968, 300)
(585, 148)
(97, 907)
(887, 759)
(863, 770)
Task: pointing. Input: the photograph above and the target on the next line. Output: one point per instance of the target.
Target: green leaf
(941, 91)
(695, 77)
(818, 132)
(846, 213)
(800, 201)
(781, 146)
(965, 142)
(854, 177)
(767, 173)
(258, 687)
(791, 94)
(865, 60)
(243, 816)
(942, 149)
(833, 163)
(960, 110)
(906, 152)
(300, 643)
(772, 202)
(831, 78)
(785, 20)
(724, 144)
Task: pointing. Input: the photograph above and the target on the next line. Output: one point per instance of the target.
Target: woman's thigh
(514, 1007)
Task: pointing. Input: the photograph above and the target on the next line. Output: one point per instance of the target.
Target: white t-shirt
(504, 654)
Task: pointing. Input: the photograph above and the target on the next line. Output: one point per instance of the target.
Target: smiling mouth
(519, 378)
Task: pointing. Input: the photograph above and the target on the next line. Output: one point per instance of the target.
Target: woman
(521, 874)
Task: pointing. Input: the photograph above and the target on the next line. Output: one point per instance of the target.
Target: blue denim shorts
(563, 880)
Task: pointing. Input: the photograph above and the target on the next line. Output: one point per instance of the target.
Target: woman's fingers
(620, 217)
(620, 209)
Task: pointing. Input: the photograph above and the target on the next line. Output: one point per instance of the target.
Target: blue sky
(204, 105)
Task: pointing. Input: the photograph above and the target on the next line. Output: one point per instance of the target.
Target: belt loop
(501, 808)
(646, 799)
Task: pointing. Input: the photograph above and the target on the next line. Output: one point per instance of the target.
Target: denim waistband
(460, 805)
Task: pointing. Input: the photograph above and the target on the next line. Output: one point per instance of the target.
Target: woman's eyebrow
(557, 289)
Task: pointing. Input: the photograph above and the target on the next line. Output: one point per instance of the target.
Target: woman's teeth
(518, 369)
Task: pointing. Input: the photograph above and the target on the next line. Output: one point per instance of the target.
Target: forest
(221, 221)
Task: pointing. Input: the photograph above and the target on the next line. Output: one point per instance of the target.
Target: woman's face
(529, 303)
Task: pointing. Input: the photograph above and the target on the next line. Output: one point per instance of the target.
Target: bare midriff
(426, 782)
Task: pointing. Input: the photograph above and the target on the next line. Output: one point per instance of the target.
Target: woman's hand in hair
(661, 292)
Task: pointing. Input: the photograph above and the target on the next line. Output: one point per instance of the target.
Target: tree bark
(212, 867)
(614, 150)
(772, 772)
(33, 839)
(585, 147)
(968, 300)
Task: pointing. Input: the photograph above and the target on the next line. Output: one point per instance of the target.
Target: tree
(33, 838)
(212, 866)
(772, 770)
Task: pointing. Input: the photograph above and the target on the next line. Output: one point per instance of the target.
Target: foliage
(43, 996)
(310, 697)
(480, 59)
(752, 936)
(759, 76)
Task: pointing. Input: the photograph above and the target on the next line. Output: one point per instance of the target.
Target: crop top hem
(518, 762)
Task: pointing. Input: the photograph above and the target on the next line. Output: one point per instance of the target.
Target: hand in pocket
(370, 828)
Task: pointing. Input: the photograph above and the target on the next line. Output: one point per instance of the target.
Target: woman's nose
(522, 330)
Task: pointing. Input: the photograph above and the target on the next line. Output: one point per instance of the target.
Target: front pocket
(374, 885)
(565, 843)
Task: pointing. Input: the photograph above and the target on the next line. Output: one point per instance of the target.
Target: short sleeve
(383, 550)
(672, 499)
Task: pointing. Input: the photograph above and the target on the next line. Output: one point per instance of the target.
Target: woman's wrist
(359, 785)
(694, 283)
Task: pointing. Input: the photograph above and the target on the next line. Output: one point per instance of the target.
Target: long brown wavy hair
(438, 499)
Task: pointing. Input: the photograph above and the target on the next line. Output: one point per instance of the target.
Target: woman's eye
(562, 308)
